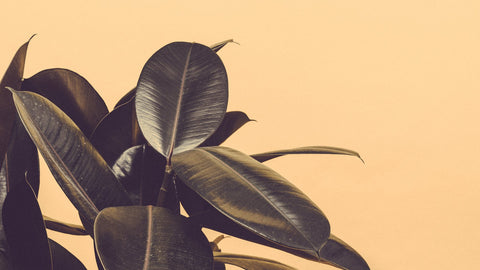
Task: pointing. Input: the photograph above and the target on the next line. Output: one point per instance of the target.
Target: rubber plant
(128, 171)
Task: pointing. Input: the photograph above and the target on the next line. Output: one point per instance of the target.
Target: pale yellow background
(397, 81)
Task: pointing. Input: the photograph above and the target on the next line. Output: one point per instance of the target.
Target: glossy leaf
(254, 196)
(181, 97)
(147, 237)
(62, 259)
(341, 255)
(72, 94)
(25, 230)
(201, 212)
(217, 46)
(12, 78)
(4, 257)
(249, 262)
(117, 132)
(230, 123)
(141, 169)
(64, 227)
(78, 168)
(262, 157)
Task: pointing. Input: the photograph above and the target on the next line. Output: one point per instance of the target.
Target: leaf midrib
(179, 105)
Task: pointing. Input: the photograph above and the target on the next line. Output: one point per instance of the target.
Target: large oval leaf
(249, 262)
(25, 230)
(230, 123)
(80, 171)
(117, 132)
(181, 97)
(147, 237)
(262, 157)
(62, 259)
(72, 93)
(254, 196)
(341, 255)
(12, 78)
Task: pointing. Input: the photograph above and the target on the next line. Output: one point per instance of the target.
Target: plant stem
(167, 179)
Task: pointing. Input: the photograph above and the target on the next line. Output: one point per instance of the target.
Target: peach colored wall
(397, 81)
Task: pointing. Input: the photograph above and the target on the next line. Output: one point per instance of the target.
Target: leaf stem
(167, 180)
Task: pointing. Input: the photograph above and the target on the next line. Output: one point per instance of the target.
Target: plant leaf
(262, 157)
(249, 262)
(339, 254)
(62, 259)
(141, 169)
(21, 157)
(181, 97)
(217, 46)
(117, 132)
(63, 227)
(230, 123)
(25, 230)
(253, 196)
(147, 237)
(12, 78)
(78, 168)
(126, 98)
(72, 94)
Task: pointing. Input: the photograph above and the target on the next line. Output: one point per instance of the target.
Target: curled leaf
(262, 157)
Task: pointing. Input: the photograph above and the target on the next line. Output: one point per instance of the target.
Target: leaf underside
(339, 254)
(262, 157)
(230, 123)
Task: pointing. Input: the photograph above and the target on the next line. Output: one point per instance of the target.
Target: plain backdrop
(397, 81)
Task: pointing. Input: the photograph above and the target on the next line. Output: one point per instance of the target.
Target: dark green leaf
(62, 259)
(25, 230)
(147, 237)
(341, 255)
(203, 213)
(141, 169)
(249, 262)
(22, 157)
(12, 78)
(217, 46)
(126, 98)
(305, 150)
(230, 123)
(72, 94)
(78, 168)
(181, 97)
(254, 196)
(117, 132)
(63, 227)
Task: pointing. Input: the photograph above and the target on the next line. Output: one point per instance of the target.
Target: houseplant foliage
(128, 171)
